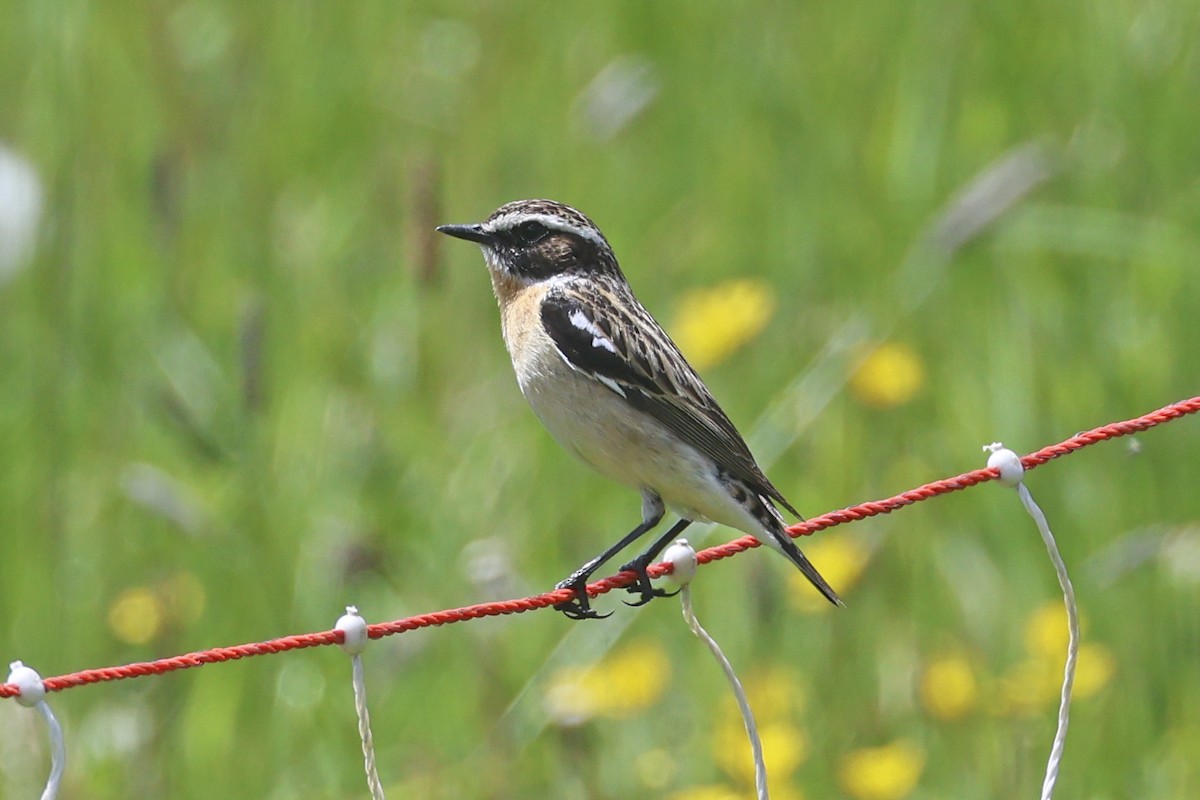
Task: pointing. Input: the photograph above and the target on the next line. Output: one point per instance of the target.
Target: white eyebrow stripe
(580, 320)
(515, 218)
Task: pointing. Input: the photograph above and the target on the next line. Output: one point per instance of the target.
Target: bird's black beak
(472, 233)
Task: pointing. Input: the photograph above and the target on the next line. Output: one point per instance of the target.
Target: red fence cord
(621, 580)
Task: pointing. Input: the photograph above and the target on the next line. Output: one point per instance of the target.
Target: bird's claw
(642, 586)
(579, 607)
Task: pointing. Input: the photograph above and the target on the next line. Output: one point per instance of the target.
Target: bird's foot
(579, 607)
(642, 587)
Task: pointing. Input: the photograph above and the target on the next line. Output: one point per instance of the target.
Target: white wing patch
(610, 383)
(580, 320)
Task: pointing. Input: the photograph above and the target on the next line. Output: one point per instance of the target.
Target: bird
(612, 388)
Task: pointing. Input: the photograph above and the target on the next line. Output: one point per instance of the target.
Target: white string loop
(1011, 473)
(682, 558)
(354, 641)
(33, 695)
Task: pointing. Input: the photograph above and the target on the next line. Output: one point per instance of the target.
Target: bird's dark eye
(531, 232)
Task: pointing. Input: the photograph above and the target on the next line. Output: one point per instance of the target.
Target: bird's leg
(580, 606)
(639, 565)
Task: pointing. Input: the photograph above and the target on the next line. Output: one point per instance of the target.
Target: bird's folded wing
(621, 346)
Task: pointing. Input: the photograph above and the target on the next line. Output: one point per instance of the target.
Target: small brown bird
(613, 389)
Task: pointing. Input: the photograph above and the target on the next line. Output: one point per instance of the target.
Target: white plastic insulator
(682, 558)
(29, 682)
(354, 630)
(1008, 462)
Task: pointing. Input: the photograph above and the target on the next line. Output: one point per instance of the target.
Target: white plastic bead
(354, 629)
(682, 558)
(29, 682)
(1008, 462)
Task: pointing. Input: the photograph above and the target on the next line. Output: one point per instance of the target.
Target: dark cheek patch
(534, 264)
(549, 257)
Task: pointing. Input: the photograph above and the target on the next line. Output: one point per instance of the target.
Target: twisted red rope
(620, 580)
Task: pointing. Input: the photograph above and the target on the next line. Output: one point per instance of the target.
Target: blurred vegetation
(244, 385)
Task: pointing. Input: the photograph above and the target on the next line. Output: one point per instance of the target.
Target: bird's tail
(788, 547)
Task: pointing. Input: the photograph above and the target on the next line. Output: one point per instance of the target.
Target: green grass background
(236, 355)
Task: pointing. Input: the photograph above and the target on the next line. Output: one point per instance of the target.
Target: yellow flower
(889, 772)
(136, 616)
(1046, 631)
(1046, 637)
(785, 747)
(890, 375)
(777, 697)
(1094, 670)
(1036, 682)
(710, 324)
(140, 614)
(624, 684)
(948, 687)
(841, 558)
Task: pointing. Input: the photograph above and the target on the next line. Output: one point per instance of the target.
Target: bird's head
(530, 241)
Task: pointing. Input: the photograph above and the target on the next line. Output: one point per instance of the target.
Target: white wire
(1064, 707)
(364, 729)
(1011, 471)
(683, 557)
(58, 752)
(354, 641)
(33, 695)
